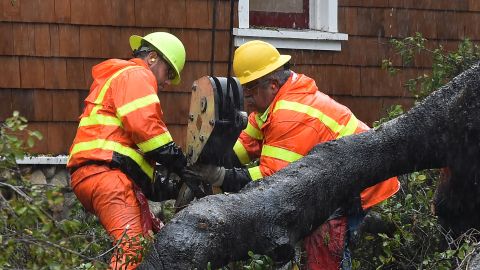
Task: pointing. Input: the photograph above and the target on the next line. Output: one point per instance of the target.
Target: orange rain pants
(325, 246)
(109, 194)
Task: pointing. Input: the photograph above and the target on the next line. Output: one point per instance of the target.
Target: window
(292, 24)
(281, 13)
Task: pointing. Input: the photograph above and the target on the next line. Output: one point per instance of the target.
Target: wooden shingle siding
(55, 73)
(42, 40)
(32, 72)
(22, 101)
(65, 106)
(6, 103)
(43, 105)
(6, 40)
(371, 107)
(23, 39)
(10, 72)
(175, 107)
(48, 48)
(60, 136)
(371, 24)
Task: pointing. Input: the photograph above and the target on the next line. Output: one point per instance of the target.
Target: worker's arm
(249, 144)
(170, 155)
(246, 149)
(138, 107)
(230, 180)
(284, 143)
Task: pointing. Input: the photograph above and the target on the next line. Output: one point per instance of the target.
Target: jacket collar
(139, 62)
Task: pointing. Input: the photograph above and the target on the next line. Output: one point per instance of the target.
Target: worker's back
(299, 118)
(106, 133)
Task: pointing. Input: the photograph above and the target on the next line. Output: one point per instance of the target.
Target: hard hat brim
(177, 78)
(282, 60)
(135, 42)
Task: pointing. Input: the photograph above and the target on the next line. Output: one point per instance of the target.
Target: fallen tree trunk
(269, 217)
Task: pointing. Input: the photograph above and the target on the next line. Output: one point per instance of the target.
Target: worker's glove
(209, 174)
(166, 187)
(163, 188)
(235, 179)
(170, 156)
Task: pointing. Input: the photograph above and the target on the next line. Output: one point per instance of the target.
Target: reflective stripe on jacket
(299, 118)
(122, 119)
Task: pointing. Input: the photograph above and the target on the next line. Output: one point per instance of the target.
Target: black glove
(235, 179)
(163, 188)
(170, 156)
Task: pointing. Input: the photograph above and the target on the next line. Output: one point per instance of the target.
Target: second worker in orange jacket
(290, 116)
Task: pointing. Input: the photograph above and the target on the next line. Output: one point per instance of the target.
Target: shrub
(417, 241)
(30, 237)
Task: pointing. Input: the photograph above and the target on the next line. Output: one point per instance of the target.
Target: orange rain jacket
(120, 135)
(299, 118)
(122, 120)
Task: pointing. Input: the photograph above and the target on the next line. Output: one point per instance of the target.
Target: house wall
(354, 76)
(48, 47)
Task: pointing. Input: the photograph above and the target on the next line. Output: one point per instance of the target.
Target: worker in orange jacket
(121, 135)
(290, 116)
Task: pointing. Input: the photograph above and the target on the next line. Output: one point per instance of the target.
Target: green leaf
(71, 226)
(40, 214)
(20, 211)
(382, 259)
(30, 142)
(461, 254)
(37, 135)
(450, 253)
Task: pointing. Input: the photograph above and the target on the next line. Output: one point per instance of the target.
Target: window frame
(322, 35)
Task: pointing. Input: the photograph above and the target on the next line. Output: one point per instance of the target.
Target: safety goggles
(251, 88)
(170, 71)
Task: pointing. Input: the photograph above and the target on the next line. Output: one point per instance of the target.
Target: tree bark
(270, 216)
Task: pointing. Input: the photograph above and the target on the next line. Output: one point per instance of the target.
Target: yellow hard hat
(168, 45)
(256, 59)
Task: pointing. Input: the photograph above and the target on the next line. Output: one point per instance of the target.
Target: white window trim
(322, 35)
